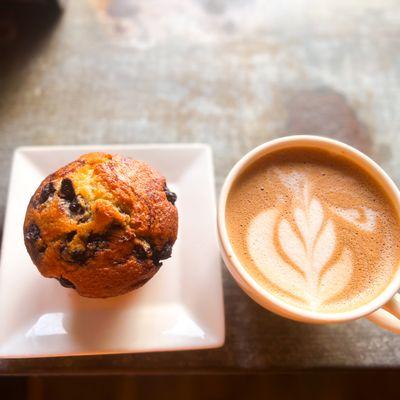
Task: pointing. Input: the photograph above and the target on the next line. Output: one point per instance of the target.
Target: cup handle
(388, 317)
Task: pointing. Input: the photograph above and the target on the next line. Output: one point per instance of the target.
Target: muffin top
(101, 224)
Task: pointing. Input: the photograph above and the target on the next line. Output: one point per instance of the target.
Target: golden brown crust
(101, 224)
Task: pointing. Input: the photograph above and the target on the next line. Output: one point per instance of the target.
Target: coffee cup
(383, 309)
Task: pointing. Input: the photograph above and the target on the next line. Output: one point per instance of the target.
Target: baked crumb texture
(101, 224)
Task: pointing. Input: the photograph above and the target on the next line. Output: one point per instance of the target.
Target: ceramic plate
(181, 308)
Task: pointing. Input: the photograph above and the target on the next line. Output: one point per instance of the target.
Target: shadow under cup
(249, 283)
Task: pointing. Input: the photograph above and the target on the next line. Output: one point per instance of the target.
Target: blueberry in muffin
(101, 224)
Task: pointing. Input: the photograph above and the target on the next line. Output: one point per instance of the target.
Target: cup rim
(235, 267)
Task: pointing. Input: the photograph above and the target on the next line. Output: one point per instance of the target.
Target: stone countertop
(232, 74)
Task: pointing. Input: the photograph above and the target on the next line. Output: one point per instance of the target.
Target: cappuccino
(314, 228)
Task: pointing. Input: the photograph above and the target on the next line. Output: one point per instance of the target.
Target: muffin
(101, 224)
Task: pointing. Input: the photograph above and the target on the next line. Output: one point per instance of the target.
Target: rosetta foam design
(307, 247)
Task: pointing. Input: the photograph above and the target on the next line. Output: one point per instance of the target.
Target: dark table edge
(202, 372)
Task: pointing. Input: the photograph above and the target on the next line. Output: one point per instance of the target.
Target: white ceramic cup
(384, 310)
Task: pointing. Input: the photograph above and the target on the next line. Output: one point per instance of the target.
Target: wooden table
(233, 74)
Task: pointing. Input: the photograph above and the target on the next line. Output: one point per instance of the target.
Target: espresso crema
(314, 228)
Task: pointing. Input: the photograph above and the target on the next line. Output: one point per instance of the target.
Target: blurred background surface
(233, 74)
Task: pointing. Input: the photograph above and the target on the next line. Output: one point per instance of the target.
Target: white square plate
(181, 308)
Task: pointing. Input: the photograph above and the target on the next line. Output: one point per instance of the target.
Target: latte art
(317, 232)
(307, 247)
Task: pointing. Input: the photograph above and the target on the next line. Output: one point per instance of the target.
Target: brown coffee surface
(314, 229)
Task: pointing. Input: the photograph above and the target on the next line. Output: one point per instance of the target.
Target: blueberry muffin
(101, 224)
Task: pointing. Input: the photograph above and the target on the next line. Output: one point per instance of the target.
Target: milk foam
(308, 246)
(316, 231)
(364, 219)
